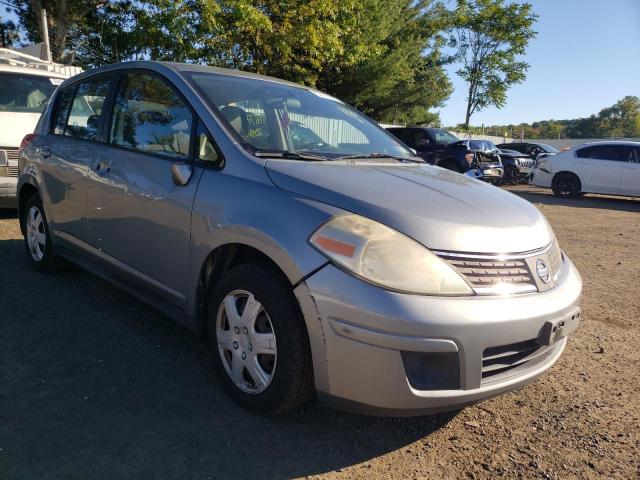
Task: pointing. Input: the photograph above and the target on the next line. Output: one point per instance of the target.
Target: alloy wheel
(246, 342)
(36, 235)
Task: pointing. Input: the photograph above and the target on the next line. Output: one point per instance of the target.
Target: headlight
(386, 257)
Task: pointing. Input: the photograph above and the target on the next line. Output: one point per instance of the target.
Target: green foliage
(382, 56)
(621, 120)
(401, 77)
(490, 36)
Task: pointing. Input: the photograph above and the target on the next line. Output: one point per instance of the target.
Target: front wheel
(566, 185)
(258, 340)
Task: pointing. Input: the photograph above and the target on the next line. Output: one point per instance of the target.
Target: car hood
(441, 209)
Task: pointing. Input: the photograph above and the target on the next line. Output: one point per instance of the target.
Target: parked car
(518, 167)
(534, 150)
(27, 83)
(439, 147)
(344, 266)
(599, 167)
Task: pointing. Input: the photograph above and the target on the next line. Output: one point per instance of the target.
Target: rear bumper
(371, 338)
(8, 187)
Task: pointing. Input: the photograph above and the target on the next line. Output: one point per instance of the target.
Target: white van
(26, 83)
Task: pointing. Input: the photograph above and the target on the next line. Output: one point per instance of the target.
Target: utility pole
(45, 34)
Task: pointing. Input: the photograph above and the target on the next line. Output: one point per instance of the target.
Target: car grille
(12, 153)
(526, 162)
(491, 275)
(507, 360)
(12, 157)
(503, 274)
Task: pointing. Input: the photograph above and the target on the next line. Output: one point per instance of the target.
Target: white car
(26, 83)
(610, 167)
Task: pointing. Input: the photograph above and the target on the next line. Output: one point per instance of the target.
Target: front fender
(231, 209)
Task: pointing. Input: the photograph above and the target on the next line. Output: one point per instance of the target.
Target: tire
(566, 185)
(278, 379)
(37, 239)
(510, 175)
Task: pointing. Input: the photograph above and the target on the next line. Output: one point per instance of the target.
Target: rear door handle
(45, 152)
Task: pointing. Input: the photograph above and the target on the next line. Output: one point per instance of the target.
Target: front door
(139, 208)
(600, 168)
(630, 182)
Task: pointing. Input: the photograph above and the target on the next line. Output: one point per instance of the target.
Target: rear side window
(149, 116)
(85, 117)
(61, 110)
(618, 153)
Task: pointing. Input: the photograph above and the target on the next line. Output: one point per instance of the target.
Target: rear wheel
(37, 239)
(566, 185)
(258, 340)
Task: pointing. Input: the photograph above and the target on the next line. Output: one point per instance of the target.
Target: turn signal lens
(386, 257)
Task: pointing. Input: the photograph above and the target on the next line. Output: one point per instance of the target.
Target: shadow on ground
(545, 197)
(97, 385)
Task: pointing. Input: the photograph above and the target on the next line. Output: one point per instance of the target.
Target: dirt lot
(93, 384)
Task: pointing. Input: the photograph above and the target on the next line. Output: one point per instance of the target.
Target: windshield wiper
(380, 155)
(289, 154)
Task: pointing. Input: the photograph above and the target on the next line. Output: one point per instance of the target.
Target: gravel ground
(93, 384)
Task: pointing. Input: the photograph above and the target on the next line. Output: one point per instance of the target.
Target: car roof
(185, 68)
(610, 142)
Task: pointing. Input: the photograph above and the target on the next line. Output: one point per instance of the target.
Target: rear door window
(617, 153)
(85, 118)
(150, 116)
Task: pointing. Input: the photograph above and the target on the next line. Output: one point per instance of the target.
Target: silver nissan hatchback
(309, 246)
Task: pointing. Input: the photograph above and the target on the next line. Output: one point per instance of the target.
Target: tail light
(28, 138)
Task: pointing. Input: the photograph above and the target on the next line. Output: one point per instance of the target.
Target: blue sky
(585, 57)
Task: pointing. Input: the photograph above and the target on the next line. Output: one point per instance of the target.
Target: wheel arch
(567, 172)
(224, 257)
(26, 190)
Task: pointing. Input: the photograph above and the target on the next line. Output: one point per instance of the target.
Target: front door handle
(103, 166)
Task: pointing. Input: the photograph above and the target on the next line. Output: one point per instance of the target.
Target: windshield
(270, 116)
(25, 93)
(548, 148)
(443, 137)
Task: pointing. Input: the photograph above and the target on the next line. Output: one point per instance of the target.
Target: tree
(9, 34)
(402, 77)
(489, 37)
(64, 17)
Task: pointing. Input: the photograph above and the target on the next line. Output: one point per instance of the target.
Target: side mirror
(181, 173)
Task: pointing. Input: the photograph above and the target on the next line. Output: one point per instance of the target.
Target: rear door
(139, 202)
(67, 152)
(630, 182)
(600, 167)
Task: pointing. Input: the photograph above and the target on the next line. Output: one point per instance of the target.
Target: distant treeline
(621, 120)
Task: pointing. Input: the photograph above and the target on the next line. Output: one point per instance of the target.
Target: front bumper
(363, 337)
(541, 178)
(8, 187)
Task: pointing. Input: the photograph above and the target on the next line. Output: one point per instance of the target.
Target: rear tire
(262, 355)
(566, 185)
(37, 238)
